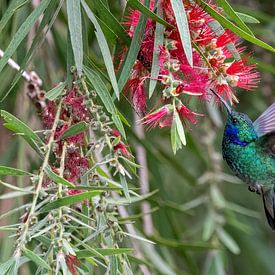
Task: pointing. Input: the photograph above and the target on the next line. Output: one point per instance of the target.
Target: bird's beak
(228, 108)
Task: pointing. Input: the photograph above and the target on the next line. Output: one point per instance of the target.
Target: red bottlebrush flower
(75, 166)
(115, 133)
(242, 75)
(73, 192)
(72, 262)
(48, 114)
(76, 103)
(155, 118)
(121, 147)
(185, 113)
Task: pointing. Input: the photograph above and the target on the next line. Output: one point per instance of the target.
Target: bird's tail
(269, 205)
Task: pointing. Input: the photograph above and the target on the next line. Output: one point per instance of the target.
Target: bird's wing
(267, 143)
(265, 123)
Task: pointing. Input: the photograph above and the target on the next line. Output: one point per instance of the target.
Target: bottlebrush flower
(218, 62)
(72, 262)
(155, 118)
(120, 147)
(186, 113)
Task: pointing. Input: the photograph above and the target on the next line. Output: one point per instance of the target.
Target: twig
(28, 76)
(27, 223)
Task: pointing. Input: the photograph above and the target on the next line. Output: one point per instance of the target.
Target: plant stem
(23, 236)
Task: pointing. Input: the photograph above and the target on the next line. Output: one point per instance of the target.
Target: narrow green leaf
(16, 194)
(105, 97)
(133, 50)
(228, 241)
(103, 47)
(111, 21)
(188, 245)
(174, 136)
(103, 251)
(56, 91)
(12, 186)
(73, 199)
(22, 32)
(183, 27)
(75, 27)
(49, 17)
(119, 125)
(227, 24)
(9, 171)
(17, 126)
(122, 201)
(124, 185)
(35, 258)
(101, 89)
(13, 7)
(234, 16)
(69, 61)
(158, 41)
(5, 267)
(137, 237)
(137, 5)
(74, 130)
(56, 178)
(180, 129)
(248, 18)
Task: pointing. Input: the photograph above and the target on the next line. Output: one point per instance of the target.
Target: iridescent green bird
(249, 150)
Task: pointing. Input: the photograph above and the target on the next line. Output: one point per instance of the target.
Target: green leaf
(73, 199)
(16, 194)
(13, 187)
(56, 178)
(180, 129)
(183, 27)
(103, 251)
(9, 171)
(137, 5)
(105, 97)
(17, 126)
(13, 7)
(122, 201)
(116, 119)
(248, 18)
(158, 41)
(227, 24)
(137, 237)
(49, 17)
(75, 27)
(124, 185)
(5, 267)
(228, 241)
(110, 20)
(56, 91)
(132, 53)
(35, 258)
(174, 135)
(183, 245)
(234, 16)
(103, 48)
(101, 89)
(74, 130)
(22, 32)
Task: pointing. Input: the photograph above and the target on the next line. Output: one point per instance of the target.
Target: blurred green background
(199, 199)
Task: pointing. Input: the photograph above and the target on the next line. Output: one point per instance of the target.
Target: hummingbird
(249, 150)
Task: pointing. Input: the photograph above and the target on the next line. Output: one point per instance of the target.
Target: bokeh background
(205, 221)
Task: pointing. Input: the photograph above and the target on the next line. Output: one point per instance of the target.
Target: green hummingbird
(249, 150)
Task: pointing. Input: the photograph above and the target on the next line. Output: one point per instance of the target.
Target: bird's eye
(234, 120)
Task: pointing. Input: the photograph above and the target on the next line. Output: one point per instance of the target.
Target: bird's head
(239, 128)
